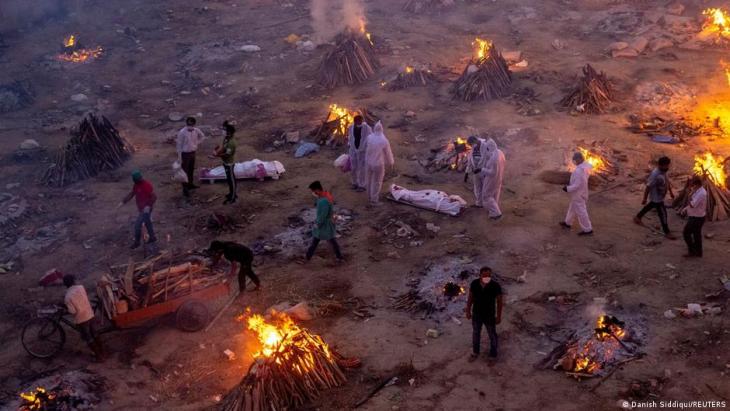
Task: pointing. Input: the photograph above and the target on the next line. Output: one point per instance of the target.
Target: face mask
(486, 280)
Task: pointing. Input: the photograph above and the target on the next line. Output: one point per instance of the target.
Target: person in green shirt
(227, 153)
(324, 225)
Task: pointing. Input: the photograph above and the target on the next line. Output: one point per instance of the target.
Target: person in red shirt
(144, 194)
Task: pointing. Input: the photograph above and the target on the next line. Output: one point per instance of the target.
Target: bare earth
(156, 50)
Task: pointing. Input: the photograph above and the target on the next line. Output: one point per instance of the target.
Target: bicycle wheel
(192, 316)
(43, 337)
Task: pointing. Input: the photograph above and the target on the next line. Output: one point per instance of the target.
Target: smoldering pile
(485, 78)
(411, 77)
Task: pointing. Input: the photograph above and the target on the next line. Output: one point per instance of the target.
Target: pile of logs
(95, 146)
(718, 203)
(352, 61)
(152, 282)
(413, 303)
(411, 77)
(593, 94)
(484, 79)
(293, 375)
(452, 156)
(656, 125)
(331, 132)
(417, 6)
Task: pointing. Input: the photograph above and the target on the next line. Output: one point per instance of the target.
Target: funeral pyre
(604, 162)
(597, 348)
(351, 61)
(713, 171)
(441, 289)
(486, 77)
(410, 77)
(75, 53)
(333, 130)
(290, 369)
(716, 27)
(453, 155)
(95, 146)
(662, 129)
(156, 280)
(594, 93)
(73, 390)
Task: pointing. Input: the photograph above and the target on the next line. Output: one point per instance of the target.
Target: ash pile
(73, 390)
(441, 289)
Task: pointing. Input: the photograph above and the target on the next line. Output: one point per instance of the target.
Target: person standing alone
(476, 164)
(484, 309)
(145, 196)
(696, 211)
(188, 140)
(657, 187)
(578, 190)
(324, 225)
(227, 153)
(357, 139)
(377, 156)
(493, 174)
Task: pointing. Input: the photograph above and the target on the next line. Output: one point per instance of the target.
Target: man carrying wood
(227, 153)
(188, 140)
(657, 187)
(77, 304)
(357, 139)
(145, 196)
(324, 225)
(239, 254)
(485, 295)
(696, 211)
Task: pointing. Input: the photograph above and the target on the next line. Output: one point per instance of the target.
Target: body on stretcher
(433, 200)
(254, 169)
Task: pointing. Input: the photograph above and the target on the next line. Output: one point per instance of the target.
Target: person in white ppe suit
(578, 191)
(476, 165)
(493, 172)
(377, 155)
(357, 139)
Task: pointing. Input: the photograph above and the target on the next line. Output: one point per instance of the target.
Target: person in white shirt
(476, 164)
(377, 156)
(357, 140)
(493, 174)
(188, 140)
(696, 211)
(578, 190)
(77, 304)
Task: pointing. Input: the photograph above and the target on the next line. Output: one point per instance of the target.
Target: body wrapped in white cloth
(430, 199)
(247, 169)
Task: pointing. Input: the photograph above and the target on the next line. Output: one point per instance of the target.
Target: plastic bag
(178, 174)
(343, 163)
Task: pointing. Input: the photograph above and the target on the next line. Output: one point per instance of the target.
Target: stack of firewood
(593, 94)
(718, 203)
(417, 6)
(95, 146)
(152, 282)
(352, 61)
(656, 125)
(411, 77)
(413, 303)
(484, 79)
(453, 156)
(293, 375)
(333, 132)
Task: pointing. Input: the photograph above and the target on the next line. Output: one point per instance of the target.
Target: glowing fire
(74, 55)
(481, 48)
(601, 347)
(409, 69)
(604, 328)
(712, 166)
(366, 33)
(717, 21)
(344, 116)
(69, 41)
(593, 159)
(462, 149)
(35, 400)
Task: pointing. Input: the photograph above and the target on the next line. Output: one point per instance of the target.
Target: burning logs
(352, 61)
(333, 130)
(410, 77)
(594, 93)
(94, 147)
(73, 390)
(291, 369)
(714, 179)
(486, 77)
(452, 156)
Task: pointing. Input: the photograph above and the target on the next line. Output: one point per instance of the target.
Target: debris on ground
(72, 390)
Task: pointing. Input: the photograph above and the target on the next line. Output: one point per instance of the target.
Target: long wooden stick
(220, 313)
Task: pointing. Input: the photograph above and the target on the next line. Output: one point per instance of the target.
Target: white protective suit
(357, 155)
(493, 173)
(578, 191)
(474, 164)
(377, 156)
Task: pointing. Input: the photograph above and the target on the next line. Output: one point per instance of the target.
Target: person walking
(227, 153)
(144, 194)
(357, 140)
(696, 212)
(236, 254)
(77, 304)
(377, 156)
(657, 187)
(324, 225)
(188, 140)
(578, 191)
(476, 164)
(484, 308)
(493, 175)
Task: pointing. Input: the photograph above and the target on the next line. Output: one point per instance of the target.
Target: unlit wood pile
(294, 375)
(352, 61)
(417, 6)
(594, 93)
(331, 132)
(412, 78)
(154, 281)
(95, 146)
(656, 125)
(718, 204)
(485, 79)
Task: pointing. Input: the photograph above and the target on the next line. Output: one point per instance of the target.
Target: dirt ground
(176, 56)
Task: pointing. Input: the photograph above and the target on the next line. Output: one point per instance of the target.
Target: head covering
(136, 175)
(472, 140)
(491, 146)
(578, 157)
(378, 129)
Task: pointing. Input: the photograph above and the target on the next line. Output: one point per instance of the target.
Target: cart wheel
(192, 316)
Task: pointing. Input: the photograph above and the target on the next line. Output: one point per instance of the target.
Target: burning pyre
(452, 156)
(333, 130)
(593, 94)
(352, 60)
(290, 369)
(713, 171)
(410, 77)
(603, 168)
(716, 26)
(73, 52)
(74, 390)
(487, 75)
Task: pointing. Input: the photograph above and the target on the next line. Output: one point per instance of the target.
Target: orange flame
(34, 400)
(712, 166)
(481, 48)
(344, 116)
(717, 21)
(80, 55)
(366, 33)
(409, 69)
(69, 41)
(595, 160)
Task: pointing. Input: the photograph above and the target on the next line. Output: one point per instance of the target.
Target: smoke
(329, 17)
(596, 308)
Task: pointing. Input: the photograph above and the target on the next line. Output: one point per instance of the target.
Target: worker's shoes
(670, 236)
(360, 189)
(638, 221)
(134, 245)
(496, 218)
(564, 225)
(473, 357)
(230, 200)
(586, 233)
